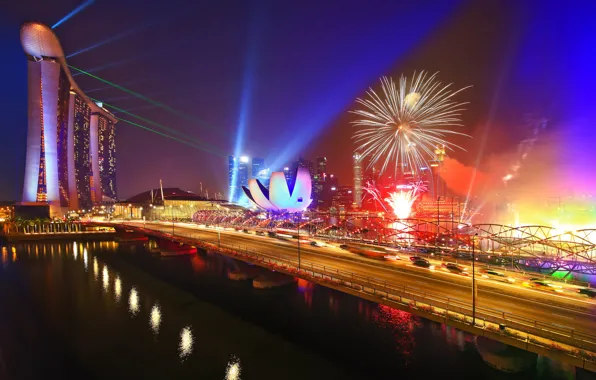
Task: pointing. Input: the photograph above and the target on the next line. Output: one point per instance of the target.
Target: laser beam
(187, 138)
(151, 101)
(73, 12)
(208, 150)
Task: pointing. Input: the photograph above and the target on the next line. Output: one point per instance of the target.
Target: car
(497, 276)
(343, 246)
(422, 263)
(392, 257)
(455, 268)
(414, 258)
(315, 244)
(546, 285)
(588, 292)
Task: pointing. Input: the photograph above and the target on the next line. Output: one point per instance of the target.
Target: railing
(403, 294)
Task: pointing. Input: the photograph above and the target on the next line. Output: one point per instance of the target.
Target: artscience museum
(281, 196)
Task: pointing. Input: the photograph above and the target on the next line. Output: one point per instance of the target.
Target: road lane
(528, 303)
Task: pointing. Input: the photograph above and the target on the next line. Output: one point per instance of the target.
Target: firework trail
(375, 194)
(524, 148)
(406, 123)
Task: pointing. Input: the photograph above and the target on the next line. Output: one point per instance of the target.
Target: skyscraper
(238, 176)
(321, 166)
(357, 192)
(319, 183)
(62, 161)
(258, 164)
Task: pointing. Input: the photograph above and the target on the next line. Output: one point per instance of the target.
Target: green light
(205, 146)
(149, 100)
(171, 137)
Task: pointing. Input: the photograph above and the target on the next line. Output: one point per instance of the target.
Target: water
(100, 310)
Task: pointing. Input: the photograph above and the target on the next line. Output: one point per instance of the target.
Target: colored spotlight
(74, 12)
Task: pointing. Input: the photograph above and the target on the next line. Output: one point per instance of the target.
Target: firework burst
(402, 201)
(406, 123)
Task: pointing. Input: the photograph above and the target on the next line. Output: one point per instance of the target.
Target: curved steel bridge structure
(539, 247)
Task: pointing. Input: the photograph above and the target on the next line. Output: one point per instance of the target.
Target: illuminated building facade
(238, 176)
(59, 161)
(357, 192)
(319, 183)
(321, 166)
(280, 196)
(106, 159)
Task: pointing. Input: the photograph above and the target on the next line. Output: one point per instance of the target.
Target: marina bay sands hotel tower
(71, 149)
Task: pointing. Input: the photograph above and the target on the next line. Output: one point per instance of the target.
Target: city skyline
(491, 110)
(199, 189)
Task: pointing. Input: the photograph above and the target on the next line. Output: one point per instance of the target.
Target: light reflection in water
(155, 318)
(4, 255)
(14, 254)
(75, 250)
(133, 301)
(85, 261)
(106, 278)
(234, 369)
(117, 288)
(186, 342)
(95, 268)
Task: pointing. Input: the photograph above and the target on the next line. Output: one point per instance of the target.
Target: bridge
(552, 324)
(542, 247)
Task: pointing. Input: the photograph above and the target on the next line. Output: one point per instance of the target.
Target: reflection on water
(402, 324)
(155, 318)
(374, 335)
(95, 268)
(105, 278)
(4, 256)
(233, 369)
(117, 289)
(186, 342)
(133, 301)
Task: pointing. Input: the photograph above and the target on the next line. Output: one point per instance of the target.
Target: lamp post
(130, 208)
(438, 225)
(172, 212)
(298, 242)
(141, 215)
(452, 215)
(474, 290)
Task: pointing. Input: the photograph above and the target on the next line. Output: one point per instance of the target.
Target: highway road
(548, 307)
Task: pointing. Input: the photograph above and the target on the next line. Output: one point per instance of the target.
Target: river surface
(109, 310)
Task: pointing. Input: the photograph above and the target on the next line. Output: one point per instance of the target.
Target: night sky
(286, 73)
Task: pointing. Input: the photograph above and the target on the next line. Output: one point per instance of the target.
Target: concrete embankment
(503, 357)
(272, 280)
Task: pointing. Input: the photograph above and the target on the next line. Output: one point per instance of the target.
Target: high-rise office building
(238, 176)
(62, 160)
(357, 191)
(319, 183)
(321, 166)
(258, 164)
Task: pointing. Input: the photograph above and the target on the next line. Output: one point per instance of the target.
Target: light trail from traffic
(528, 303)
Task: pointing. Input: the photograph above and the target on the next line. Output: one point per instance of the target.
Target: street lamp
(438, 225)
(298, 242)
(474, 289)
(172, 212)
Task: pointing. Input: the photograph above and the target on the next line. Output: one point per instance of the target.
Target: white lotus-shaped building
(279, 196)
